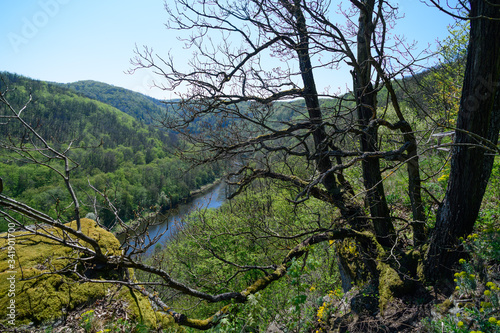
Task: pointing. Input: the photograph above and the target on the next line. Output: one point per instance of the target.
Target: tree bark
(365, 267)
(310, 95)
(367, 110)
(478, 125)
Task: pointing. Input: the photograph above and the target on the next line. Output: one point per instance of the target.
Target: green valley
(371, 209)
(131, 161)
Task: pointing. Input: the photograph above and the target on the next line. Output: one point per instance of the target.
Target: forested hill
(140, 106)
(115, 152)
(62, 115)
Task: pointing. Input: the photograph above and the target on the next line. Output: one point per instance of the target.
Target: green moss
(203, 324)
(265, 281)
(50, 296)
(141, 309)
(420, 266)
(389, 284)
(445, 306)
(107, 241)
(353, 263)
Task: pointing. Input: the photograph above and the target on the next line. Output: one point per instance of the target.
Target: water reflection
(213, 198)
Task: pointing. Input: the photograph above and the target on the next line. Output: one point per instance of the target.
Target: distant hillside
(116, 152)
(61, 114)
(139, 106)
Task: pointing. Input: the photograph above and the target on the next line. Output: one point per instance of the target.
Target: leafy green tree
(445, 81)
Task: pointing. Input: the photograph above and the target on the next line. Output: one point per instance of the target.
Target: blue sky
(71, 40)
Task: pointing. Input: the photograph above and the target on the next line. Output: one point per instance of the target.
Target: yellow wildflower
(461, 261)
(321, 312)
(460, 324)
(492, 320)
(443, 177)
(491, 285)
(487, 293)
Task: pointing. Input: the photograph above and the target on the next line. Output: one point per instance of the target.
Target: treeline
(141, 107)
(61, 115)
(130, 162)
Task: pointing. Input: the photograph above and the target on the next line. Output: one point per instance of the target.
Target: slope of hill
(139, 106)
(64, 115)
(116, 153)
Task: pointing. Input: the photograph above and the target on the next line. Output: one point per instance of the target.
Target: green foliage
(87, 320)
(328, 306)
(241, 231)
(91, 324)
(303, 317)
(476, 283)
(139, 106)
(129, 161)
(478, 297)
(445, 80)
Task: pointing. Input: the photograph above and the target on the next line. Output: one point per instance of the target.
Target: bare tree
(225, 76)
(88, 253)
(35, 149)
(478, 124)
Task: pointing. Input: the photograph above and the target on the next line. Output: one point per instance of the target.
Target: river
(212, 198)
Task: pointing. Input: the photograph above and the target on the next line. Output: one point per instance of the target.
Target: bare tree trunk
(367, 110)
(310, 94)
(477, 130)
(352, 213)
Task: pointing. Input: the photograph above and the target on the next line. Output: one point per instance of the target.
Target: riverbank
(204, 188)
(207, 196)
